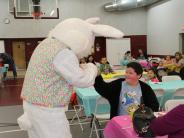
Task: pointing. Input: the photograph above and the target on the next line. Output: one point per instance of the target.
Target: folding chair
(178, 94)
(154, 61)
(102, 116)
(78, 109)
(160, 96)
(170, 78)
(170, 104)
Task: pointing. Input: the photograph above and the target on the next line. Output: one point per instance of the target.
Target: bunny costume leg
(45, 122)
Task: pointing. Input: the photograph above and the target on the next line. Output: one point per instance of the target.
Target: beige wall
(164, 21)
(131, 22)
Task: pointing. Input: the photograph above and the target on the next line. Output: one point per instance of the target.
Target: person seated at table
(141, 55)
(90, 59)
(161, 65)
(8, 59)
(178, 64)
(170, 124)
(125, 94)
(126, 59)
(161, 70)
(83, 60)
(105, 66)
(168, 61)
(152, 75)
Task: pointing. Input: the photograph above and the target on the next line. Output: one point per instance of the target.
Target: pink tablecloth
(121, 127)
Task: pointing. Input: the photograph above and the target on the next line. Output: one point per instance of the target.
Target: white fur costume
(53, 70)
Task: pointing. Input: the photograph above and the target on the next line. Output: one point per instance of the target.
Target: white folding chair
(78, 109)
(170, 104)
(160, 96)
(178, 94)
(170, 78)
(99, 116)
(154, 60)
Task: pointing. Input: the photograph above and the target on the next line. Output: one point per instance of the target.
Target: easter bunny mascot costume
(53, 71)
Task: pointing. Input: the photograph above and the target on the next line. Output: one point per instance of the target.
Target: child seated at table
(152, 76)
(126, 59)
(168, 61)
(83, 60)
(161, 70)
(105, 66)
(161, 65)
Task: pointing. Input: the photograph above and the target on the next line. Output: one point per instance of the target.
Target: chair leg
(92, 126)
(161, 107)
(76, 115)
(76, 112)
(92, 117)
(99, 127)
(96, 129)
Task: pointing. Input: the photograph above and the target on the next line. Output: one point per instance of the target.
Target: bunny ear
(93, 20)
(107, 31)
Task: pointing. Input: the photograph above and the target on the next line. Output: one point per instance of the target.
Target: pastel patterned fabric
(43, 85)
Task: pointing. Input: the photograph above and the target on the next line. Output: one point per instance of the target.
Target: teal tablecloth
(87, 96)
(169, 87)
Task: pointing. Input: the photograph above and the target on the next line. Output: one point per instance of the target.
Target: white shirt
(67, 65)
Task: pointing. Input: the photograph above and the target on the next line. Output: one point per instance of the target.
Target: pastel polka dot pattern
(42, 85)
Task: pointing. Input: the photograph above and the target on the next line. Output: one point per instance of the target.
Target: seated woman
(170, 124)
(90, 59)
(125, 94)
(105, 67)
(178, 64)
(152, 76)
(168, 61)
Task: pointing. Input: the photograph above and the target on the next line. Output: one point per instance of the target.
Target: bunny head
(79, 34)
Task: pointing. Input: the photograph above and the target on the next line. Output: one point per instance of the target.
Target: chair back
(170, 104)
(178, 94)
(159, 94)
(170, 78)
(155, 59)
(100, 103)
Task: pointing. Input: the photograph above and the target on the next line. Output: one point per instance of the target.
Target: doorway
(19, 54)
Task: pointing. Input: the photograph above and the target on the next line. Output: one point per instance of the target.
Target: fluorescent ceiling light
(124, 1)
(52, 12)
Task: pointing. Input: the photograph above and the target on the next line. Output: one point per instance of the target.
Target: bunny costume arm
(67, 65)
